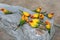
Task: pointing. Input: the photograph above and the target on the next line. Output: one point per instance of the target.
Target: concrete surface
(47, 5)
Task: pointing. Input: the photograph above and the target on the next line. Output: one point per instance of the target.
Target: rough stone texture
(52, 5)
(25, 32)
(57, 34)
(5, 36)
(7, 20)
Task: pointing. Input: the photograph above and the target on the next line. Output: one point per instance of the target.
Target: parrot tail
(17, 27)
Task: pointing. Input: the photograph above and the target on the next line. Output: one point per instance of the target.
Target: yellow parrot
(36, 15)
(41, 16)
(48, 26)
(26, 13)
(50, 15)
(33, 24)
(36, 20)
(25, 18)
(5, 11)
(47, 22)
(38, 9)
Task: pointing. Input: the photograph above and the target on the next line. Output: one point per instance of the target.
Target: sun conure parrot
(50, 15)
(33, 24)
(26, 14)
(36, 20)
(5, 11)
(38, 10)
(22, 21)
(25, 18)
(48, 26)
(36, 15)
(41, 16)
